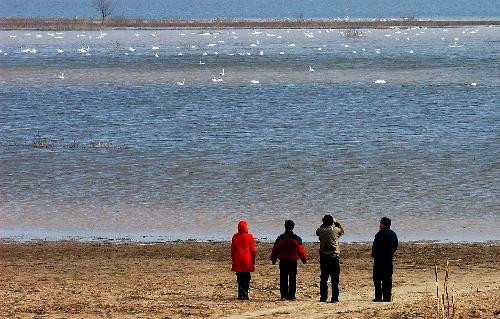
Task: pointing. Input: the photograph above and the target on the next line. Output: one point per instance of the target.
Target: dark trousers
(288, 279)
(382, 279)
(243, 279)
(330, 267)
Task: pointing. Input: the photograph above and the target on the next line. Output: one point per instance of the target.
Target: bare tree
(105, 7)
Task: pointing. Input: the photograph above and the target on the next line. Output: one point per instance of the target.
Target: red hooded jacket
(243, 250)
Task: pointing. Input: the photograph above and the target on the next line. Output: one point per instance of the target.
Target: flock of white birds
(215, 42)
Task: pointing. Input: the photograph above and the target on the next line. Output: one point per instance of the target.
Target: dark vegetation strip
(16, 23)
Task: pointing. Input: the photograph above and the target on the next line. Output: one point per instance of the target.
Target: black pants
(330, 267)
(382, 279)
(243, 279)
(288, 279)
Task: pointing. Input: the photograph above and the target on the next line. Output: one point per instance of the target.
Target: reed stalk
(445, 308)
(437, 287)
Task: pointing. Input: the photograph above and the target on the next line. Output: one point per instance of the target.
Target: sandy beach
(193, 280)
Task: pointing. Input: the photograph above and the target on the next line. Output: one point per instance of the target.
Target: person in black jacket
(288, 249)
(383, 249)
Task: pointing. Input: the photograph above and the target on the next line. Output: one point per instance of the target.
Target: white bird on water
(222, 73)
(60, 50)
(254, 82)
(61, 76)
(215, 80)
(156, 55)
(380, 81)
(311, 69)
(181, 83)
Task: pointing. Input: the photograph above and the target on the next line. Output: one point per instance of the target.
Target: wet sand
(193, 280)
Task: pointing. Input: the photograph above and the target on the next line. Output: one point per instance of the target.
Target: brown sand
(193, 280)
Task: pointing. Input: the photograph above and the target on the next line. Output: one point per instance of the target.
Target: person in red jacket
(288, 249)
(243, 255)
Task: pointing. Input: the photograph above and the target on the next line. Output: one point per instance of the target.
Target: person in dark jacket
(383, 249)
(243, 255)
(329, 261)
(288, 249)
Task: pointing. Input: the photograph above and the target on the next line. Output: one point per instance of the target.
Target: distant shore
(193, 280)
(54, 24)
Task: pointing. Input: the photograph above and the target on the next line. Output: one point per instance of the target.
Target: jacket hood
(242, 227)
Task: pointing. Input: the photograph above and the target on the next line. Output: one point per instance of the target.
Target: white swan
(61, 76)
(380, 81)
(311, 69)
(254, 82)
(222, 73)
(181, 83)
(60, 50)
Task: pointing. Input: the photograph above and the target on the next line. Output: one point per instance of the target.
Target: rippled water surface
(118, 149)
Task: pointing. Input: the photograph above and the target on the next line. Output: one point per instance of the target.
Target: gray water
(260, 9)
(117, 149)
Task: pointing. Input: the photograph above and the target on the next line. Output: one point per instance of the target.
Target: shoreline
(121, 241)
(122, 23)
(193, 280)
(125, 239)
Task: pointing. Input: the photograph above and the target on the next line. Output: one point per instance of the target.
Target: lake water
(260, 9)
(117, 149)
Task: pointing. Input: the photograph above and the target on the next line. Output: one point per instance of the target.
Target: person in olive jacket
(329, 250)
(383, 249)
(288, 249)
